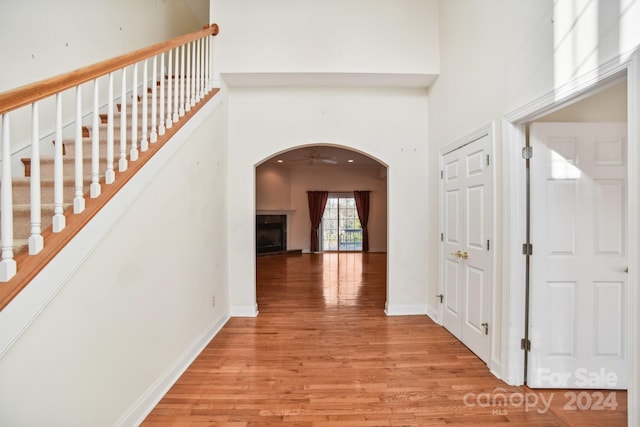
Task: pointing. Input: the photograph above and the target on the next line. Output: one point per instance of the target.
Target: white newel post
(205, 65)
(144, 142)
(123, 164)
(153, 135)
(59, 221)
(36, 242)
(170, 82)
(78, 200)
(209, 62)
(110, 174)
(163, 81)
(133, 155)
(95, 188)
(8, 264)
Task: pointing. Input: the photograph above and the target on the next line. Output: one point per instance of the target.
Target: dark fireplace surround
(271, 234)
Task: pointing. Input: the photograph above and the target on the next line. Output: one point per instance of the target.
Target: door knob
(485, 326)
(626, 270)
(459, 254)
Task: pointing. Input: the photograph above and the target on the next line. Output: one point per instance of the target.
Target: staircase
(175, 75)
(21, 185)
(53, 242)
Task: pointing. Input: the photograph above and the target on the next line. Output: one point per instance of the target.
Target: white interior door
(467, 256)
(577, 270)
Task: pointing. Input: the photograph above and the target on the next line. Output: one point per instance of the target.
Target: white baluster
(193, 74)
(133, 155)
(59, 220)
(78, 200)
(177, 80)
(182, 80)
(203, 67)
(144, 142)
(123, 163)
(170, 80)
(36, 242)
(163, 80)
(187, 76)
(110, 174)
(204, 75)
(95, 188)
(8, 264)
(197, 83)
(153, 136)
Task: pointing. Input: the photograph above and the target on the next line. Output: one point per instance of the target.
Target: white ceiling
(322, 155)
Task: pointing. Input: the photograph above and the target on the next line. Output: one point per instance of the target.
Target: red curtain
(362, 206)
(317, 202)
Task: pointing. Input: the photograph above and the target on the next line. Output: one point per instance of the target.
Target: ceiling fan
(313, 157)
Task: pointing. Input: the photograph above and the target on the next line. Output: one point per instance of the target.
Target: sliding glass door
(341, 230)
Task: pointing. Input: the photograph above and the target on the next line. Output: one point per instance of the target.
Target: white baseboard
(433, 314)
(143, 406)
(405, 310)
(244, 311)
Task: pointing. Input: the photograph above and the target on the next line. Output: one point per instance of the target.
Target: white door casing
(467, 260)
(578, 282)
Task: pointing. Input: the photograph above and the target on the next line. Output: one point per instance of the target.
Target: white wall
(138, 307)
(497, 56)
(281, 188)
(337, 36)
(387, 124)
(43, 38)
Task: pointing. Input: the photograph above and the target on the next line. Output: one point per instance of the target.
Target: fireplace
(271, 233)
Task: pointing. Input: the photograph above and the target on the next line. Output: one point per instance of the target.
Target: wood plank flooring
(323, 353)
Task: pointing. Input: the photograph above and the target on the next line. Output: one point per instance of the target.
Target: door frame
(488, 130)
(338, 195)
(514, 212)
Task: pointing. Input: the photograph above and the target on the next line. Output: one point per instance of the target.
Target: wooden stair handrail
(25, 95)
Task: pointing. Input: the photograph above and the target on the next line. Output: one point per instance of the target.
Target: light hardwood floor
(322, 353)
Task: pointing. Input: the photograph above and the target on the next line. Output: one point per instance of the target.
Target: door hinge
(527, 249)
(442, 237)
(488, 245)
(527, 152)
(487, 160)
(525, 344)
(441, 174)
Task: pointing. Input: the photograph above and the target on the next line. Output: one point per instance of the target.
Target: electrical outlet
(213, 301)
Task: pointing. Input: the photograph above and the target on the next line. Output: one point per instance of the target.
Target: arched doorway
(283, 225)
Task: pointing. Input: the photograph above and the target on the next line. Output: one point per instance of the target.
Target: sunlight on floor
(342, 278)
